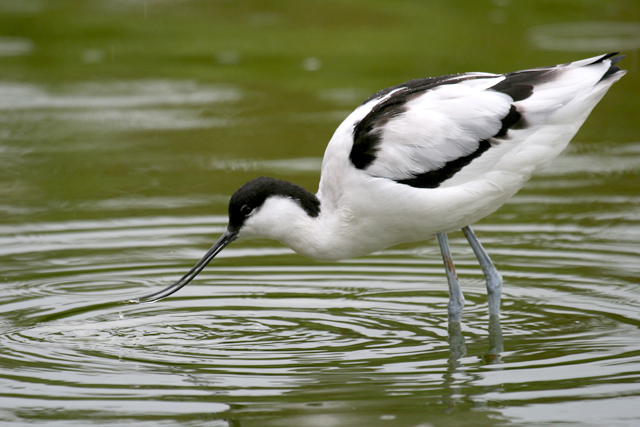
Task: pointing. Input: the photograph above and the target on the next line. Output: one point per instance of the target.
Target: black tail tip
(610, 56)
(614, 60)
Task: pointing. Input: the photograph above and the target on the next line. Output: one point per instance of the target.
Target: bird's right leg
(491, 273)
(456, 299)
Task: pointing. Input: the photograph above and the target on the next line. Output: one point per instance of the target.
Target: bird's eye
(246, 210)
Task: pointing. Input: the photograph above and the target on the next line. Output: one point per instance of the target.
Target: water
(120, 148)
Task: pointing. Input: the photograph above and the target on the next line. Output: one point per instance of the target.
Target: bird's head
(260, 208)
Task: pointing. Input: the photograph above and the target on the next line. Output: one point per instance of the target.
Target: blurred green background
(81, 124)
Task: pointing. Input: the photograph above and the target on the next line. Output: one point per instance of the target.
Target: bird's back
(444, 131)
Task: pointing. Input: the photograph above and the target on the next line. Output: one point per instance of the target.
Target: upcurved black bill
(223, 241)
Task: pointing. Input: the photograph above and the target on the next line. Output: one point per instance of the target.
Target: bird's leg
(456, 299)
(493, 277)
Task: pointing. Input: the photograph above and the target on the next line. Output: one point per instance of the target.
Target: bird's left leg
(493, 277)
(456, 299)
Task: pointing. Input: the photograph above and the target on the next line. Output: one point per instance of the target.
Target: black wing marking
(367, 133)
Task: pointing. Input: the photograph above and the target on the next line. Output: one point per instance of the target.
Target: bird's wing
(424, 131)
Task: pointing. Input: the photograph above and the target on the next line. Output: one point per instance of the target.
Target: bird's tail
(614, 71)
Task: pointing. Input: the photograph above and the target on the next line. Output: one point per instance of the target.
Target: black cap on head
(252, 195)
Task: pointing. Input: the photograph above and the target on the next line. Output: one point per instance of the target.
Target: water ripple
(262, 321)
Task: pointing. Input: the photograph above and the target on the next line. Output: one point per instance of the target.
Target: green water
(125, 126)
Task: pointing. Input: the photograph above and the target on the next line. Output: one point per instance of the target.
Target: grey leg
(495, 338)
(456, 299)
(493, 277)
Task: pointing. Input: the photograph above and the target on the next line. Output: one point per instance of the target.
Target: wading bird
(419, 160)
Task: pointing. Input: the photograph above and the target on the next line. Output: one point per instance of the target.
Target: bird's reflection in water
(456, 377)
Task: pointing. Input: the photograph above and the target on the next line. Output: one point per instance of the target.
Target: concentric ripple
(262, 321)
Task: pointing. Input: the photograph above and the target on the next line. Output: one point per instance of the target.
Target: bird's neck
(318, 227)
